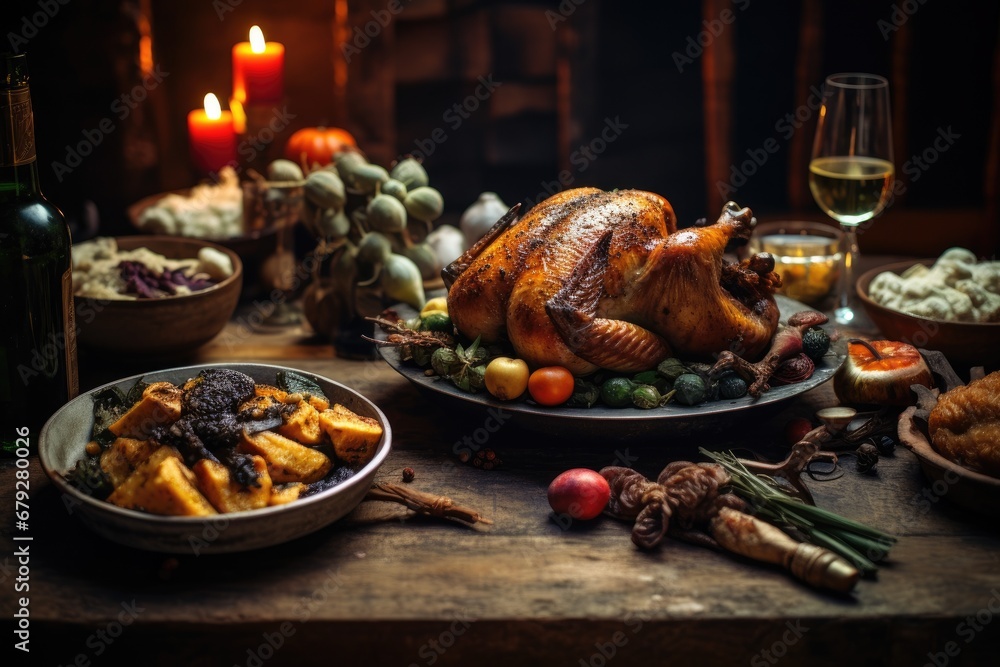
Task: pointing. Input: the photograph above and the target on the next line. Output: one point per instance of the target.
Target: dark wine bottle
(37, 330)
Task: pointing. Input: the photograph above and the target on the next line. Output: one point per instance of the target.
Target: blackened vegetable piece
(88, 477)
(815, 343)
(217, 390)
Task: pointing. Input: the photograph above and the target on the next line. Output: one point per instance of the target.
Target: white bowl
(63, 439)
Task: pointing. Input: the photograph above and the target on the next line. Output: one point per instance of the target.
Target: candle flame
(256, 39)
(212, 107)
(239, 115)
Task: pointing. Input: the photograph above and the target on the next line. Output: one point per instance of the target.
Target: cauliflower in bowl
(956, 288)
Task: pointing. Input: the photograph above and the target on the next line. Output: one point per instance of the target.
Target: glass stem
(851, 255)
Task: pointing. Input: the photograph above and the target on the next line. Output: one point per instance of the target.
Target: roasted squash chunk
(302, 425)
(317, 402)
(287, 460)
(286, 493)
(160, 404)
(124, 455)
(228, 495)
(162, 485)
(354, 437)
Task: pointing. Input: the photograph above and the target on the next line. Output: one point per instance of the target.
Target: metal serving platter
(619, 423)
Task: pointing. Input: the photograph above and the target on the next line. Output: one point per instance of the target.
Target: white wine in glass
(851, 171)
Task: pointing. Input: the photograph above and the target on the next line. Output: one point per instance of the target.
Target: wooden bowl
(253, 246)
(166, 326)
(966, 488)
(966, 344)
(64, 437)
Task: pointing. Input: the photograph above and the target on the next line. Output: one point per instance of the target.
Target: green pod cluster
(374, 249)
(386, 214)
(284, 170)
(334, 224)
(325, 189)
(401, 281)
(423, 256)
(424, 203)
(410, 173)
(367, 178)
(395, 188)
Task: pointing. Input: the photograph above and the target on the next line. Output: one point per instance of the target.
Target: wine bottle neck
(18, 165)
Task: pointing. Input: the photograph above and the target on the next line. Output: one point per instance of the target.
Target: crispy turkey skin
(591, 279)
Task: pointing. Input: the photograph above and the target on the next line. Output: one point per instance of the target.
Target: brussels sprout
(732, 386)
(690, 389)
(645, 396)
(445, 361)
(671, 368)
(617, 392)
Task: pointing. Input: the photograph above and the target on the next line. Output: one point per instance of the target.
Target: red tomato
(552, 385)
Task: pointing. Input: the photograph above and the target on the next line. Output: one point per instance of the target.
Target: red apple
(880, 372)
(581, 493)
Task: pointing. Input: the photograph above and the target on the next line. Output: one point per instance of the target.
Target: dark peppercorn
(408, 475)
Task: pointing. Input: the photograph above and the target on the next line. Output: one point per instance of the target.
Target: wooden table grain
(384, 588)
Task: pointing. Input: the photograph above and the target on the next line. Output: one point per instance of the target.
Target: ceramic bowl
(967, 488)
(63, 439)
(965, 344)
(166, 326)
(253, 246)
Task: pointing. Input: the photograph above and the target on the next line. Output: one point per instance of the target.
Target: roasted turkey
(590, 279)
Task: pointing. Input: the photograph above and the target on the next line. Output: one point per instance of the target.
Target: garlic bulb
(447, 242)
(481, 216)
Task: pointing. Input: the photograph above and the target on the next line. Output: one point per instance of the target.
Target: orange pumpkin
(319, 144)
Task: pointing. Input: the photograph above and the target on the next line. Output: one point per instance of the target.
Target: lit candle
(211, 136)
(258, 70)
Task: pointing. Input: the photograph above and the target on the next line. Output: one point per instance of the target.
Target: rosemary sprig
(858, 543)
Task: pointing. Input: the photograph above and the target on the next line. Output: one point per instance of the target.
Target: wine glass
(851, 170)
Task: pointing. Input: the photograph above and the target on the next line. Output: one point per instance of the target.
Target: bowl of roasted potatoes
(214, 458)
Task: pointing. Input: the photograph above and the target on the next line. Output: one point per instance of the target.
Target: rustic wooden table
(392, 589)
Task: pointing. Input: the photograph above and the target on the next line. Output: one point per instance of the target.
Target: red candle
(211, 136)
(258, 70)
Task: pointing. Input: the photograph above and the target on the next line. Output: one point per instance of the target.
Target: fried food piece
(965, 425)
(160, 404)
(354, 437)
(123, 456)
(286, 493)
(318, 402)
(302, 425)
(287, 460)
(228, 495)
(162, 485)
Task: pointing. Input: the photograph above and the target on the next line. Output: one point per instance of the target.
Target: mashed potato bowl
(965, 344)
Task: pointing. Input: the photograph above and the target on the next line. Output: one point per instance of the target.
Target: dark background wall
(644, 74)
